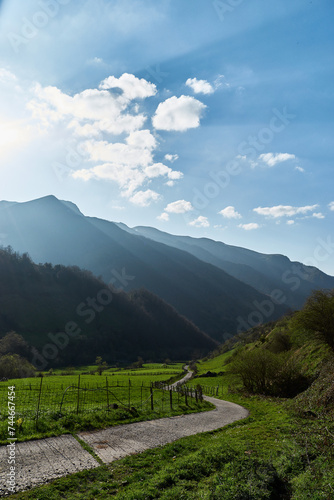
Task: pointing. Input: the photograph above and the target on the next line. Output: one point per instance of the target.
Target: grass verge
(262, 457)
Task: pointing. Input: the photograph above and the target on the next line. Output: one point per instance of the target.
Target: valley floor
(38, 462)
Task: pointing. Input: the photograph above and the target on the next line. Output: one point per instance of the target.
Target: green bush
(263, 372)
(14, 366)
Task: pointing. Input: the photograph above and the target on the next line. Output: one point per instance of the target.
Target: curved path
(38, 462)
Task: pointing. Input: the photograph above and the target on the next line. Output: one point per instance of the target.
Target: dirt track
(38, 462)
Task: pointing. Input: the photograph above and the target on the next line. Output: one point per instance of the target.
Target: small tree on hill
(101, 365)
(318, 315)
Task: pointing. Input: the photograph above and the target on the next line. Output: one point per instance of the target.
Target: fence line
(35, 401)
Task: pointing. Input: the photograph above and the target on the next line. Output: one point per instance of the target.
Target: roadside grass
(260, 457)
(282, 450)
(275, 453)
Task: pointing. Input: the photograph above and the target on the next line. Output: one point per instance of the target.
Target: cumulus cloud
(159, 169)
(200, 222)
(331, 206)
(88, 113)
(250, 226)
(144, 198)
(271, 159)
(200, 86)
(318, 215)
(178, 114)
(290, 222)
(171, 158)
(300, 169)
(230, 213)
(163, 217)
(132, 87)
(284, 210)
(179, 207)
(97, 116)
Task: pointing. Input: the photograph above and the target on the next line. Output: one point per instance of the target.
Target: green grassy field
(282, 450)
(52, 405)
(216, 364)
(266, 456)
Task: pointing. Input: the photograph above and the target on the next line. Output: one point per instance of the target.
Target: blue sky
(207, 118)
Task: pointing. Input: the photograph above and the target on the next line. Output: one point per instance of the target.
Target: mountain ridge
(190, 274)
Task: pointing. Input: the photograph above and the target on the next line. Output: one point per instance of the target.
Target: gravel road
(41, 461)
(118, 442)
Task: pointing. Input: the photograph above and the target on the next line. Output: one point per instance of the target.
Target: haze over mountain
(220, 288)
(261, 271)
(71, 317)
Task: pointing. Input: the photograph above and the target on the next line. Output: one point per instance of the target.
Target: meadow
(83, 399)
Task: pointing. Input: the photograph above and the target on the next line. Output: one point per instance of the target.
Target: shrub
(14, 366)
(318, 315)
(263, 372)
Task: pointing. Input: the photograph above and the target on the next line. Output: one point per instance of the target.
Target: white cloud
(290, 222)
(284, 210)
(300, 169)
(200, 86)
(129, 164)
(95, 60)
(318, 215)
(250, 226)
(95, 114)
(7, 77)
(159, 169)
(178, 114)
(230, 213)
(171, 158)
(163, 217)
(271, 159)
(118, 152)
(99, 109)
(144, 198)
(200, 222)
(331, 205)
(132, 87)
(179, 207)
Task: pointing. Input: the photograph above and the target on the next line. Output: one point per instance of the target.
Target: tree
(318, 315)
(101, 365)
(14, 366)
(13, 343)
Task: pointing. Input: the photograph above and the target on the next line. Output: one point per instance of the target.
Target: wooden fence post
(78, 399)
(152, 404)
(107, 389)
(39, 401)
(171, 399)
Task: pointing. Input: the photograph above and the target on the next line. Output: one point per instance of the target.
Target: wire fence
(42, 399)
